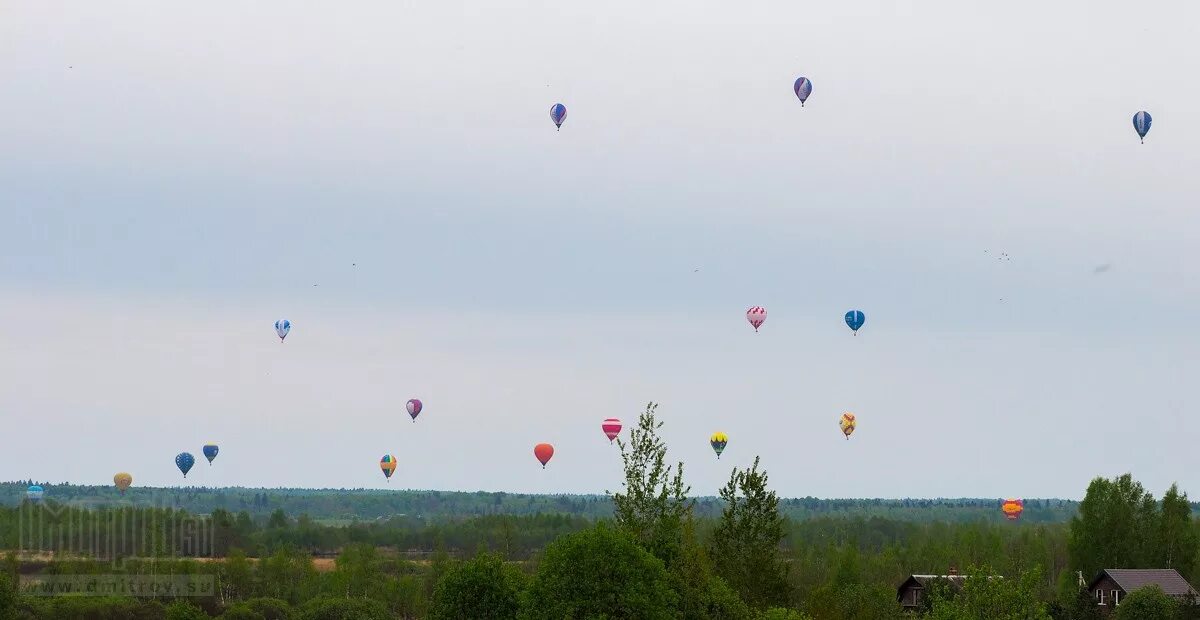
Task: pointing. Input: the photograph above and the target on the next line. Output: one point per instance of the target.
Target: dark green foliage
(746, 542)
(985, 595)
(182, 610)
(484, 587)
(781, 613)
(599, 573)
(1148, 603)
(270, 608)
(241, 612)
(343, 609)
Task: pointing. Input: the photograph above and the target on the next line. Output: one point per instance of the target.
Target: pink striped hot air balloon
(612, 428)
(757, 315)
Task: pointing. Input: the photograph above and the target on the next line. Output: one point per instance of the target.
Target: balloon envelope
(1141, 124)
(543, 452)
(210, 452)
(122, 480)
(847, 423)
(184, 461)
(1013, 508)
(388, 465)
(802, 88)
(282, 327)
(611, 427)
(558, 114)
(855, 319)
(414, 408)
(757, 315)
(35, 492)
(718, 441)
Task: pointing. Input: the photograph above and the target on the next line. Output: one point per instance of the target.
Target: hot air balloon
(282, 327)
(558, 114)
(1141, 123)
(543, 452)
(847, 424)
(855, 319)
(803, 88)
(34, 493)
(612, 428)
(210, 452)
(388, 465)
(757, 315)
(718, 441)
(1013, 508)
(122, 480)
(184, 461)
(414, 407)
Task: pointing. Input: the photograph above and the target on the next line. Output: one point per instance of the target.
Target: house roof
(922, 581)
(1130, 579)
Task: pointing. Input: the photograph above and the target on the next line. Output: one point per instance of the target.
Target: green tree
(8, 596)
(745, 545)
(182, 610)
(782, 613)
(484, 587)
(357, 569)
(270, 608)
(1177, 540)
(1115, 527)
(1146, 603)
(599, 573)
(343, 609)
(241, 612)
(654, 504)
(987, 597)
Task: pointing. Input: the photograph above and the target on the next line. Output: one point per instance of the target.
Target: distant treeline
(368, 504)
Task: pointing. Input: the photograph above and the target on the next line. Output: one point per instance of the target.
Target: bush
(484, 587)
(780, 613)
(180, 610)
(270, 608)
(241, 612)
(343, 609)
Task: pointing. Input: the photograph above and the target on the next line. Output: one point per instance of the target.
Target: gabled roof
(1130, 579)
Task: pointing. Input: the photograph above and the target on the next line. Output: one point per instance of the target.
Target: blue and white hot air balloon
(558, 114)
(803, 88)
(34, 493)
(282, 327)
(1141, 123)
(184, 461)
(855, 320)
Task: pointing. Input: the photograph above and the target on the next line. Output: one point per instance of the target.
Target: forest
(650, 550)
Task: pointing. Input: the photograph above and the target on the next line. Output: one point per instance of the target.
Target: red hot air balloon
(612, 428)
(757, 315)
(1012, 509)
(543, 452)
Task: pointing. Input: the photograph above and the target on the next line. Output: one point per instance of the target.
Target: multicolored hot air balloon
(1013, 508)
(282, 327)
(718, 441)
(34, 493)
(184, 461)
(210, 452)
(855, 320)
(1141, 124)
(558, 114)
(388, 465)
(414, 408)
(122, 480)
(757, 315)
(847, 424)
(612, 428)
(543, 452)
(803, 88)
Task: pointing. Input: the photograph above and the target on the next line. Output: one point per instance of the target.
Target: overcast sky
(174, 178)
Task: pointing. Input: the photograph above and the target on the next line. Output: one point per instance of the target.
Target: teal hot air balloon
(35, 492)
(210, 452)
(184, 461)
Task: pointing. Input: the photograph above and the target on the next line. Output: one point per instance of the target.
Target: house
(1113, 584)
(911, 591)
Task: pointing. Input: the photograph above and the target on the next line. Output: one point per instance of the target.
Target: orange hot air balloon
(1013, 508)
(122, 480)
(543, 452)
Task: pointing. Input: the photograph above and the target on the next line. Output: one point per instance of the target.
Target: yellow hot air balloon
(847, 423)
(122, 480)
(718, 441)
